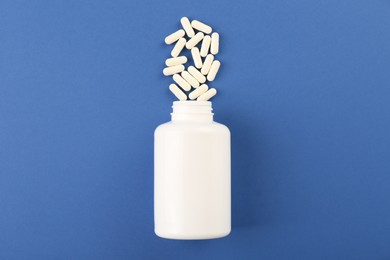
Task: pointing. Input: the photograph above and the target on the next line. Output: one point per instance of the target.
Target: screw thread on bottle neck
(198, 111)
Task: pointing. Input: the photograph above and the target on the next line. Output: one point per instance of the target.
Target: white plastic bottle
(192, 174)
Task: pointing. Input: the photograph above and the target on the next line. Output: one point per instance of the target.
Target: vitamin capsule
(201, 26)
(190, 79)
(173, 70)
(213, 70)
(204, 50)
(174, 36)
(176, 61)
(177, 92)
(214, 43)
(181, 82)
(199, 91)
(207, 64)
(194, 40)
(196, 74)
(178, 47)
(187, 27)
(196, 57)
(207, 95)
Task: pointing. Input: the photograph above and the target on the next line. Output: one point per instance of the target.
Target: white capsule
(176, 61)
(177, 92)
(181, 82)
(196, 57)
(194, 40)
(214, 43)
(207, 95)
(196, 74)
(204, 50)
(199, 91)
(213, 70)
(187, 27)
(190, 79)
(201, 26)
(173, 70)
(178, 47)
(207, 64)
(174, 36)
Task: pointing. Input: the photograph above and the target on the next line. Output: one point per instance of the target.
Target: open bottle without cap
(192, 190)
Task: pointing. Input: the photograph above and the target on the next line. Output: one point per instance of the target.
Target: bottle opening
(192, 111)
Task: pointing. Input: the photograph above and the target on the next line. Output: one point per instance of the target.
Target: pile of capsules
(193, 77)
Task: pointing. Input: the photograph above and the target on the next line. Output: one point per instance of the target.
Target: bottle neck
(192, 111)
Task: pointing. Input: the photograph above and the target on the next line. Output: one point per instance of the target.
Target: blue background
(304, 87)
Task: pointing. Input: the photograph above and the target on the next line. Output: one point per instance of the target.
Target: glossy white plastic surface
(192, 194)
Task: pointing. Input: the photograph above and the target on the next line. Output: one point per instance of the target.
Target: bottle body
(192, 187)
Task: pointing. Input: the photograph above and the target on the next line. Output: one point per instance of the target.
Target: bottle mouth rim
(192, 102)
